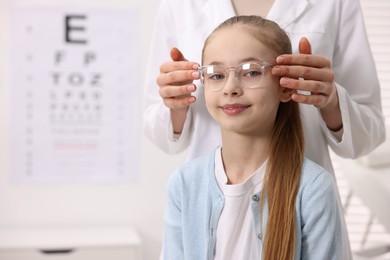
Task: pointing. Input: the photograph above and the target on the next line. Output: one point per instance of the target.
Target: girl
(255, 197)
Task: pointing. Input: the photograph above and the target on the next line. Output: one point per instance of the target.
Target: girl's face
(242, 110)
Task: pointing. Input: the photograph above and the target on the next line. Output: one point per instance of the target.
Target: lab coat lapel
(285, 12)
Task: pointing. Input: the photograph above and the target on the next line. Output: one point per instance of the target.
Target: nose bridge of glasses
(236, 74)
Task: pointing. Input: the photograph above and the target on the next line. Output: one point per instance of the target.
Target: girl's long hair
(286, 150)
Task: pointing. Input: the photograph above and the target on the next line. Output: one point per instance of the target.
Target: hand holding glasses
(248, 74)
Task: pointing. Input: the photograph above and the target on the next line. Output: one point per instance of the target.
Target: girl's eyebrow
(251, 59)
(239, 62)
(215, 63)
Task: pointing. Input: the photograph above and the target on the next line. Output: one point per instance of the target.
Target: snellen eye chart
(75, 93)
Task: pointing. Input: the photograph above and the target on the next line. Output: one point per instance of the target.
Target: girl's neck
(252, 7)
(242, 156)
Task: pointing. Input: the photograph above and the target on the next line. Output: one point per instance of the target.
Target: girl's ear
(286, 94)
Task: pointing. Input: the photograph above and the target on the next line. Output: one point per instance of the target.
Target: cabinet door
(91, 253)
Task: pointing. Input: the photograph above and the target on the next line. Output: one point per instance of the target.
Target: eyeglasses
(248, 74)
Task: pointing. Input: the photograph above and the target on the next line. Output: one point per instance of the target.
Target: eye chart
(74, 94)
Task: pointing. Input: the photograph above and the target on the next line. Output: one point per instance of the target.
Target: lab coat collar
(284, 12)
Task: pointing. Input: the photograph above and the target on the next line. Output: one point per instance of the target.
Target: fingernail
(191, 99)
(280, 59)
(284, 81)
(191, 88)
(195, 74)
(276, 71)
(195, 66)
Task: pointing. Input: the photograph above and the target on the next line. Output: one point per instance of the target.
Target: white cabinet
(119, 243)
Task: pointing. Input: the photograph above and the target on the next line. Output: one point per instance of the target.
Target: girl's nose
(232, 85)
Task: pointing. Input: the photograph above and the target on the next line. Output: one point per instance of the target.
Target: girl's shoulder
(314, 174)
(197, 170)
(316, 182)
(202, 163)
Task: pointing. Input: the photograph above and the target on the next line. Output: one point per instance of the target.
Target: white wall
(139, 204)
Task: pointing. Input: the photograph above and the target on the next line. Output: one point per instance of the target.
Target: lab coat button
(255, 197)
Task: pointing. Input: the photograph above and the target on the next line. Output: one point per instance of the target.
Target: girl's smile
(234, 109)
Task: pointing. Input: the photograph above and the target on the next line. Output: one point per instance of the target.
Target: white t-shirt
(236, 238)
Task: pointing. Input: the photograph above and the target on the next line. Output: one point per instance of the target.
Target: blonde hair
(286, 150)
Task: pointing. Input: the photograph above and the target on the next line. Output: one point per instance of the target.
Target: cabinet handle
(57, 251)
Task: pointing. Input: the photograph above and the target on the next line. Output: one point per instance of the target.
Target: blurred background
(120, 216)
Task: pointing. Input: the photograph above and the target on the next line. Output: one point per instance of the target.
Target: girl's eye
(216, 76)
(253, 73)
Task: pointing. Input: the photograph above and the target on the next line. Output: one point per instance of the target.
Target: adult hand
(318, 80)
(175, 82)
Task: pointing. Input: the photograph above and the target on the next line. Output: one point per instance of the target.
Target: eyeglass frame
(262, 65)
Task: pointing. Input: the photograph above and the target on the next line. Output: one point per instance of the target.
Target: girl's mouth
(233, 109)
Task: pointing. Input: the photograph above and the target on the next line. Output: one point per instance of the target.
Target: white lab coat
(335, 29)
